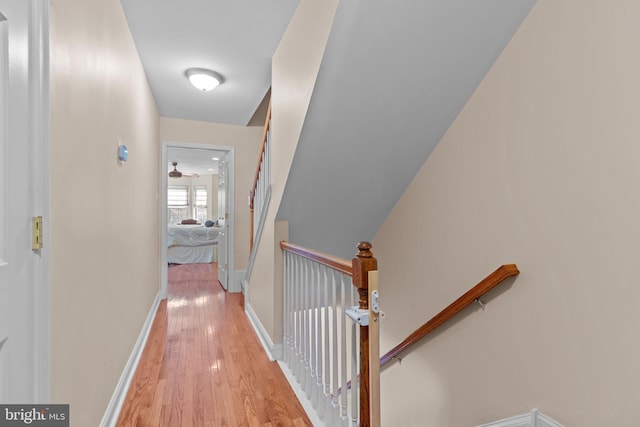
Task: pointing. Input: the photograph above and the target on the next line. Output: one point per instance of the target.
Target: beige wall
(294, 70)
(539, 169)
(246, 141)
(104, 216)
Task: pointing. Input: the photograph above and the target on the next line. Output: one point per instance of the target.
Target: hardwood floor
(203, 365)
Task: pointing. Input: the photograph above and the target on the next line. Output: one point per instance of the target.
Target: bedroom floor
(203, 365)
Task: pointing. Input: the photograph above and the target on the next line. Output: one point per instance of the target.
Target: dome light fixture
(203, 79)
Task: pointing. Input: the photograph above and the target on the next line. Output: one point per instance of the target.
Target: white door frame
(163, 206)
(37, 339)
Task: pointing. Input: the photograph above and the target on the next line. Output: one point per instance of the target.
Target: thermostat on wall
(122, 153)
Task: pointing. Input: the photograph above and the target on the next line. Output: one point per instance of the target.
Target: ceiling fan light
(203, 79)
(175, 173)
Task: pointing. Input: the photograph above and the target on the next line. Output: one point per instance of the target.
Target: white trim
(120, 393)
(306, 403)
(39, 140)
(256, 242)
(245, 289)
(163, 206)
(4, 139)
(236, 285)
(274, 351)
(533, 419)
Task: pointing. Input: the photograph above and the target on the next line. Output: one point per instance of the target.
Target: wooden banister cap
(364, 250)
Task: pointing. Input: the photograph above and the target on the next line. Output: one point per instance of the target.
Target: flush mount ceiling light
(203, 79)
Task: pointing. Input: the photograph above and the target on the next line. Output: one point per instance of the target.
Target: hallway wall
(104, 215)
(539, 169)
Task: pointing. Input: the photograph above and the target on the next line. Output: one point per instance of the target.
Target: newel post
(362, 264)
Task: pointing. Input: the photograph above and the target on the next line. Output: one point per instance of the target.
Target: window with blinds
(200, 196)
(178, 203)
(200, 203)
(178, 196)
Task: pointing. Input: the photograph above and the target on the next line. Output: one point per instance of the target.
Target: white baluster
(317, 398)
(300, 312)
(298, 309)
(313, 362)
(355, 386)
(327, 347)
(287, 309)
(292, 303)
(323, 376)
(269, 158)
(306, 321)
(335, 400)
(343, 352)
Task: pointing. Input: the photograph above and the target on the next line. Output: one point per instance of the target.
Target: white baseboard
(236, 284)
(120, 393)
(533, 419)
(245, 289)
(274, 351)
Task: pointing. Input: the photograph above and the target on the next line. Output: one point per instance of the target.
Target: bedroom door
(223, 221)
(22, 164)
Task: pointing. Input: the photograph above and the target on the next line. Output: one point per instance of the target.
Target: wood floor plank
(203, 365)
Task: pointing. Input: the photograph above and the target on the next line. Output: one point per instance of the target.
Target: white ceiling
(192, 160)
(235, 38)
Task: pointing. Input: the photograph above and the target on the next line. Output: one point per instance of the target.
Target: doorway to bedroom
(197, 218)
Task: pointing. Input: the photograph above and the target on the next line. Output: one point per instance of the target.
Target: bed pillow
(189, 221)
(208, 223)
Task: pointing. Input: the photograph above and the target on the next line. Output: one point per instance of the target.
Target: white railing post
(335, 404)
(354, 363)
(343, 352)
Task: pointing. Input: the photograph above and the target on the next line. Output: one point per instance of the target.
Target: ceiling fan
(175, 173)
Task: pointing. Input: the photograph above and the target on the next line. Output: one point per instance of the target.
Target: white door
(223, 221)
(22, 132)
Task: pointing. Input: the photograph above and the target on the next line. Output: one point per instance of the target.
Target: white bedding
(191, 254)
(192, 235)
(192, 244)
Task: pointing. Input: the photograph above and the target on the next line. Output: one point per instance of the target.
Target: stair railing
(324, 298)
(472, 295)
(261, 189)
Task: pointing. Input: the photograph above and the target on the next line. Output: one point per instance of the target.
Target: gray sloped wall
(393, 78)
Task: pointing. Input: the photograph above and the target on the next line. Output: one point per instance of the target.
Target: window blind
(200, 196)
(178, 196)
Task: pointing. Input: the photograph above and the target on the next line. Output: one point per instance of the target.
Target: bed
(192, 244)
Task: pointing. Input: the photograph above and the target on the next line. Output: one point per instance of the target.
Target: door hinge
(226, 216)
(36, 233)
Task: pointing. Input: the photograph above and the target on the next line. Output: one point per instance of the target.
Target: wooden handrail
(488, 283)
(340, 264)
(252, 192)
(267, 126)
